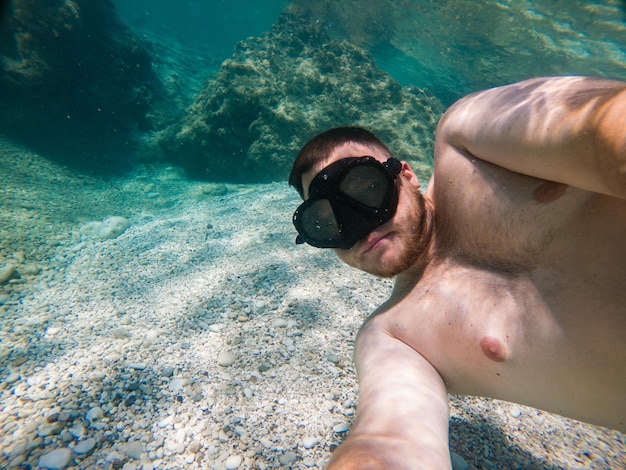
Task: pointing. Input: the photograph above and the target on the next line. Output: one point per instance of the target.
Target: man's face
(394, 246)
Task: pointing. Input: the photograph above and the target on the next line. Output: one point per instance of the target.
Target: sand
(200, 336)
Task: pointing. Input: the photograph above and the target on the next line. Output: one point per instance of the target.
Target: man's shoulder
(493, 216)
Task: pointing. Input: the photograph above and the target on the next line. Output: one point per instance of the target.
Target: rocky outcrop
(74, 81)
(279, 90)
(458, 47)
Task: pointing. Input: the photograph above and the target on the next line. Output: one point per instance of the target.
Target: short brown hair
(319, 148)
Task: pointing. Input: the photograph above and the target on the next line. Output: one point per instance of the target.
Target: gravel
(196, 334)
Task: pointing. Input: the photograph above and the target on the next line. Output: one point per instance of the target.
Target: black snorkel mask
(347, 200)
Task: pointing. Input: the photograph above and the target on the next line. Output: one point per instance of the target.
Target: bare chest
(489, 216)
(527, 338)
(526, 297)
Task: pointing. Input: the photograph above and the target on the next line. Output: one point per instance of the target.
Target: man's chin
(382, 267)
(385, 271)
(378, 257)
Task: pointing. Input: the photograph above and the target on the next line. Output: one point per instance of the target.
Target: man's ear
(409, 176)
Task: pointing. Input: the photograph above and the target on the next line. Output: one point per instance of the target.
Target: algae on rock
(279, 90)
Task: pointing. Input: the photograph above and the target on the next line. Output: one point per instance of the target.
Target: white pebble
(78, 431)
(85, 446)
(113, 456)
(516, 412)
(279, 323)
(56, 460)
(30, 426)
(151, 336)
(288, 459)
(165, 422)
(12, 378)
(226, 359)
(233, 462)
(98, 375)
(17, 461)
(30, 269)
(94, 414)
(175, 447)
(195, 447)
(310, 442)
(112, 227)
(334, 358)
(341, 428)
(18, 449)
(120, 333)
(180, 436)
(176, 385)
(7, 272)
(134, 450)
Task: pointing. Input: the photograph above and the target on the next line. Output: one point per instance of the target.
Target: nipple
(494, 349)
(549, 191)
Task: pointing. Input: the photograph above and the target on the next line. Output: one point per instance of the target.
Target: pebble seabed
(200, 336)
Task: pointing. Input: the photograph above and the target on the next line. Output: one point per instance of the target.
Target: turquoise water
(94, 84)
(212, 25)
(450, 47)
(145, 221)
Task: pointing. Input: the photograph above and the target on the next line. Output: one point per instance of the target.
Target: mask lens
(347, 200)
(367, 185)
(319, 223)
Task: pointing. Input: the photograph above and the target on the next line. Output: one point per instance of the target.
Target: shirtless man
(511, 268)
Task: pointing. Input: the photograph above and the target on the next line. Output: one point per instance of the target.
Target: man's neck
(406, 280)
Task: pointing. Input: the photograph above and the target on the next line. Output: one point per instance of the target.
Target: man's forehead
(347, 150)
(352, 149)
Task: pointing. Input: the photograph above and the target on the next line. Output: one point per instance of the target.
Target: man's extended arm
(570, 130)
(402, 415)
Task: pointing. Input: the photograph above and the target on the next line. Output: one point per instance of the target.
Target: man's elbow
(610, 137)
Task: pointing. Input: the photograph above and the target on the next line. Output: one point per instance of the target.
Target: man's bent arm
(402, 415)
(570, 130)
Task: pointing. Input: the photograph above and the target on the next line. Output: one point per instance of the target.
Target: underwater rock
(94, 414)
(109, 228)
(134, 450)
(75, 83)
(226, 359)
(233, 462)
(56, 459)
(7, 273)
(113, 227)
(310, 442)
(458, 47)
(86, 446)
(279, 90)
(214, 190)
